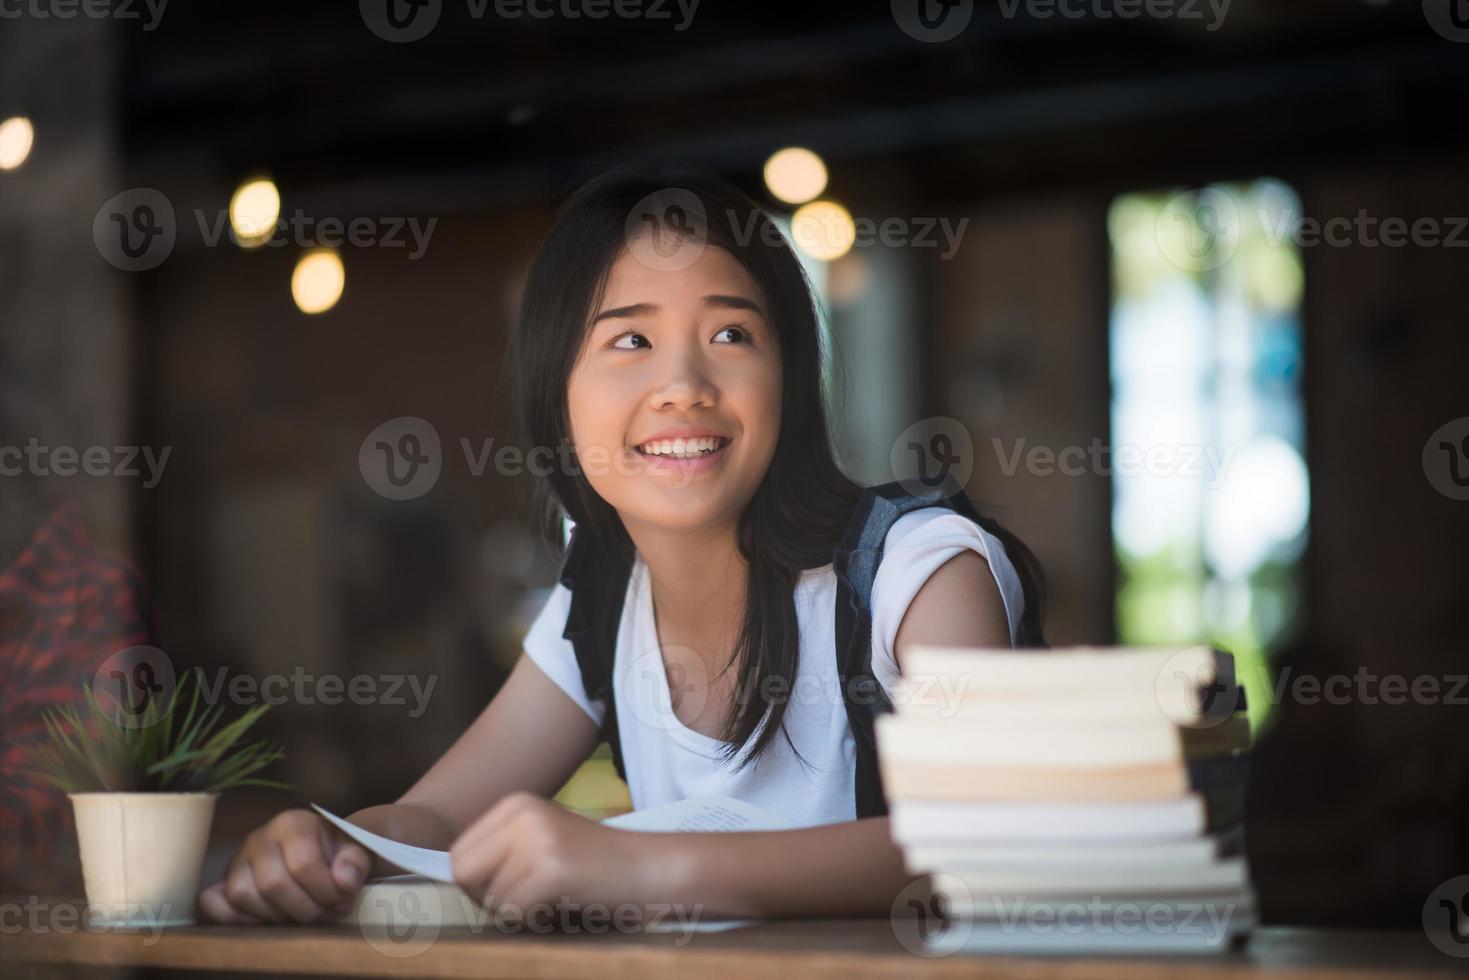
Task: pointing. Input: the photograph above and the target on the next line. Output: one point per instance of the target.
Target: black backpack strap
(598, 583)
(855, 562)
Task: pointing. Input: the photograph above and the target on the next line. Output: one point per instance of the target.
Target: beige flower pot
(142, 854)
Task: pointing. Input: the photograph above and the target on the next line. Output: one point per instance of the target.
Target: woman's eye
(740, 332)
(618, 342)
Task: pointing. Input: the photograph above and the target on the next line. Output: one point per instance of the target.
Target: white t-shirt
(666, 761)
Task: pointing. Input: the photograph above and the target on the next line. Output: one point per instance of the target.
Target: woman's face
(686, 353)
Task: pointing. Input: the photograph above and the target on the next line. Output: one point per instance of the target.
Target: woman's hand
(296, 868)
(527, 851)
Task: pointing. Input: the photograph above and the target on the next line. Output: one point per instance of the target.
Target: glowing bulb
(795, 175)
(16, 136)
(823, 230)
(254, 210)
(317, 283)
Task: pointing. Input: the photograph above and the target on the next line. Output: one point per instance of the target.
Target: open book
(432, 881)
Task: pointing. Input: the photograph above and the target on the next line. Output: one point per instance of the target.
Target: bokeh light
(795, 175)
(318, 280)
(17, 135)
(254, 210)
(823, 230)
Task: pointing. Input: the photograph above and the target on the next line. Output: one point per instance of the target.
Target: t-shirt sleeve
(553, 653)
(918, 543)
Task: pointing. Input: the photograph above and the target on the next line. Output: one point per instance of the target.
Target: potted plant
(143, 791)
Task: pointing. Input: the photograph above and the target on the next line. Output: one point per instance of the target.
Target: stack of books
(1072, 801)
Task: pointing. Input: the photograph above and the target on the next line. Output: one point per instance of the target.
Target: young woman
(679, 358)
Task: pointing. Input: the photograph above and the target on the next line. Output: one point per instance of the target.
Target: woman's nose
(684, 382)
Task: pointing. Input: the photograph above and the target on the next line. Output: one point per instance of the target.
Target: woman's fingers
(284, 894)
(243, 896)
(294, 869)
(214, 906)
(493, 822)
(475, 862)
(350, 866)
(307, 862)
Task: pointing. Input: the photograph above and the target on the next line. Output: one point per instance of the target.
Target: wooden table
(838, 949)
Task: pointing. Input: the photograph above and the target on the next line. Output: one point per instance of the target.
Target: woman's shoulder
(916, 520)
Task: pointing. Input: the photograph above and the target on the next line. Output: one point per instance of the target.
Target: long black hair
(800, 508)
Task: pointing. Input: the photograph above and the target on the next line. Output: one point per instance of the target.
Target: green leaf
(99, 752)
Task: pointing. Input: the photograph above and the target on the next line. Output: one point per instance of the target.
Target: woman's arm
(845, 869)
(531, 738)
(297, 868)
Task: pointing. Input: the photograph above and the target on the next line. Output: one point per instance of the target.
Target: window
(1211, 493)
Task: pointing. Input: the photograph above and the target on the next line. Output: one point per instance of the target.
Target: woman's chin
(686, 508)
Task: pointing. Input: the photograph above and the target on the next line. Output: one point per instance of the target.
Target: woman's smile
(685, 458)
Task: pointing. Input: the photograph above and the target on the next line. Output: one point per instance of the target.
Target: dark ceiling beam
(974, 121)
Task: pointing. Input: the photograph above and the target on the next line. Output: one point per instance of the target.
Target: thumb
(351, 865)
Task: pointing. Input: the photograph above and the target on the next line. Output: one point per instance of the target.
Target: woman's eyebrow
(717, 301)
(721, 302)
(628, 312)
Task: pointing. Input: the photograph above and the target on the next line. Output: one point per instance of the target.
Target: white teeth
(684, 448)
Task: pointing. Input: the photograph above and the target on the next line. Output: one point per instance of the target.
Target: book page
(697, 814)
(420, 860)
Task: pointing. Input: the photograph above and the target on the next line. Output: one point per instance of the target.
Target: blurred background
(1181, 285)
